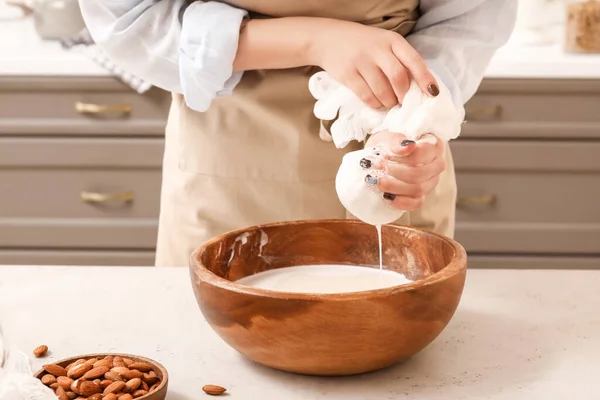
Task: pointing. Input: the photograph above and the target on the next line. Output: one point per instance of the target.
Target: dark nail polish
(371, 180)
(433, 90)
(407, 142)
(389, 196)
(365, 163)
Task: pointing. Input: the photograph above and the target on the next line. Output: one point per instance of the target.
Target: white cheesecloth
(419, 114)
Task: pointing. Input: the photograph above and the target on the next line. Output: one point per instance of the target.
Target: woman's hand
(377, 65)
(413, 169)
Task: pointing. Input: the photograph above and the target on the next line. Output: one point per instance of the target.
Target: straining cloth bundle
(17, 382)
(418, 115)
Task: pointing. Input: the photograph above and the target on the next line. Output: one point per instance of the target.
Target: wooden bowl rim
(457, 265)
(158, 365)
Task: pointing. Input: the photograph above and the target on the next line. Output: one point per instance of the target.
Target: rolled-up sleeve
(193, 56)
(458, 38)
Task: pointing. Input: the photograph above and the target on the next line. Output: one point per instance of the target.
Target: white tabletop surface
(516, 335)
(24, 54)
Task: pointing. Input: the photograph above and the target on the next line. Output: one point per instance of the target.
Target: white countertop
(516, 335)
(24, 54)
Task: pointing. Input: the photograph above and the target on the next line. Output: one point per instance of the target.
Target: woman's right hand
(377, 65)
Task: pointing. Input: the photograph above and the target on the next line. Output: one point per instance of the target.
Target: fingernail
(407, 142)
(389, 196)
(433, 90)
(365, 163)
(371, 180)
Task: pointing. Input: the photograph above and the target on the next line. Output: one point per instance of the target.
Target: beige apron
(256, 156)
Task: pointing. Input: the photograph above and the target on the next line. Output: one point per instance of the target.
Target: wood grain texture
(328, 334)
(159, 394)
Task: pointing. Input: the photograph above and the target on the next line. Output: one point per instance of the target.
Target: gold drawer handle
(98, 109)
(102, 198)
(483, 113)
(474, 201)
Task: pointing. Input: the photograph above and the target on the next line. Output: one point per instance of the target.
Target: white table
(517, 335)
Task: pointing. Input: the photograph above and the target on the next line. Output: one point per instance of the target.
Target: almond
(88, 388)
(55, 370)
(104, 384)
(91, 361)
(97, 396)
(78, 362)
(119, 364)
(48, 379)
(40, 351)
(110, 396)
(127, 361)
(76, 386)
(117, 358)
(126, 396)
(120, 370)
(133, 373)
(95, 373)
(132, 385)
(64, 382)
(54, 386)
(150, 378)
(114, 387)
(113, 376)
(103, 363)
(71, 395)
(213, 390)
(141, 366)
(61, 394)
(144, 386)
(77, 371)
(139, 393)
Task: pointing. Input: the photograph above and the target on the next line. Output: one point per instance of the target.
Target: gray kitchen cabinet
(528, 175)
(80, 173)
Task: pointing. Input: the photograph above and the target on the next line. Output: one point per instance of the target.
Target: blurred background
(81, 145)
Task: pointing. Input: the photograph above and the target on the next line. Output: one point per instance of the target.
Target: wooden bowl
(328, 334)
(160, 393)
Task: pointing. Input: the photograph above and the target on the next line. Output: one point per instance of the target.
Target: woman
(243, 148)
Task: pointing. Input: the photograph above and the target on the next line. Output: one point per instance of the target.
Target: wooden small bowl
(159, 394)
(328, 334)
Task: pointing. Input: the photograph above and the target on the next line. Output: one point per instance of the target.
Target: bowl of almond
(106, 377)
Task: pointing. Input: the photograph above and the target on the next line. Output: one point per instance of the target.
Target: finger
(415, 64)
(361, 89)
(389, 184)
(403, 203)
(416, 175)
(414, 153)
(379, 84)
(397, 75)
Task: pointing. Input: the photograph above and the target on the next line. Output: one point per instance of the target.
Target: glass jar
(57, 19)
(582, 27)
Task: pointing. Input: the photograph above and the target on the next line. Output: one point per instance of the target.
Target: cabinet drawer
(73, 106)
(528, 197)
(534, 108)
(77, 257)
(61, 198)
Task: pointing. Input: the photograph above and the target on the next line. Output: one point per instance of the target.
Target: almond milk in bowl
(329, 330)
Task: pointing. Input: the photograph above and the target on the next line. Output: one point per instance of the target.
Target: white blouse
(457, 39)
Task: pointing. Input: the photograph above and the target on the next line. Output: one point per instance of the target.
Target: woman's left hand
(413, 169)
